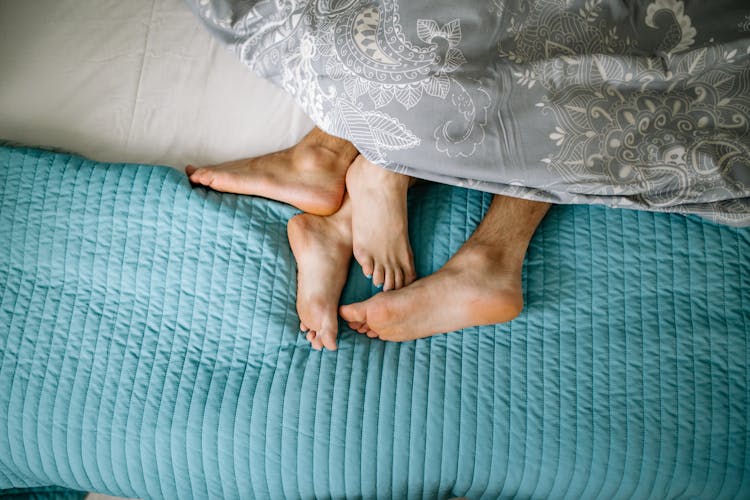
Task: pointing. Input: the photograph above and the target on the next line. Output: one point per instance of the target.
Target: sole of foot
(322, 248)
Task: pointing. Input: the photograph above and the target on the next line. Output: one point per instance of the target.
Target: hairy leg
(379, 224)
(479, 285)
(310, 175)
(322, 247)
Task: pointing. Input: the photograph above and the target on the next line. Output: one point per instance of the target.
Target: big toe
(354, 313)
(366, 262)
(328, 338)
(202, 175)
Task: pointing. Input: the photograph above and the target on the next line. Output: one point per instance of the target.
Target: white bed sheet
(133, 81)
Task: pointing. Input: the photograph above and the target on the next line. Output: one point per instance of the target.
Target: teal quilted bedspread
(149, 348)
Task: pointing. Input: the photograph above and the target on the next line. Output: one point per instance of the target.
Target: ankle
(312, 158)
(320, 139)
(380, 176)
(489, 259)
(391, 178)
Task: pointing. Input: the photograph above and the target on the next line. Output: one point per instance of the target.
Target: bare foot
(479, 285)
(379, 224)
(322, 247)
(310, 175)
(470, 290)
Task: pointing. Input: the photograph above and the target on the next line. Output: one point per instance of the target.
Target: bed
(149, 344)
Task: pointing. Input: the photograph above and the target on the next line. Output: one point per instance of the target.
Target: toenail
(368, 276)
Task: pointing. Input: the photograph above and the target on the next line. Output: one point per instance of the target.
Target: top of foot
(379, 224)
(309, 176)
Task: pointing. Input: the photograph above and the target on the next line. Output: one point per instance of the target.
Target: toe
(353, 312)
(200, 176)
(410, 275)
(190, 169)
(368, 268)
(378, 276)
(363, 328)
(315, 341)
(372, 334)
(303, 327)
(328, 339)
(365, 261)
(398, 279)
(359, 327)
(388, 283)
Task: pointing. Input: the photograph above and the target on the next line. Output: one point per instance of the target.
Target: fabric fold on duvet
(641, 104)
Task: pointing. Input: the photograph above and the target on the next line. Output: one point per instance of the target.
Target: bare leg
(479, 285)
(310, 175)
(322, 247)
(379, 224)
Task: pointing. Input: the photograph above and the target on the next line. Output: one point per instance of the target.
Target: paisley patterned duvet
(149, 348)
(631, 104)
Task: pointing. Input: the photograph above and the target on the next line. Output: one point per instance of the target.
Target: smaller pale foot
(379, 224)
(322, 247)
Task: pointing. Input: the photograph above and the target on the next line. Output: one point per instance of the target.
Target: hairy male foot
(322, 247)
(479, 285)
(379, 224)
(470, 290)
(310, 175)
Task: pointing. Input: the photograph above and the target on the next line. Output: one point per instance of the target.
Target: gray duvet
(639, 104)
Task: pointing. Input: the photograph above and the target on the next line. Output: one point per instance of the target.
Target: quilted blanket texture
(149, 348)
(631, 104)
